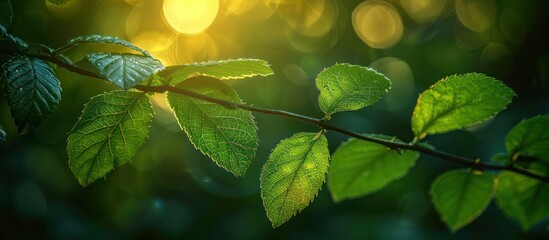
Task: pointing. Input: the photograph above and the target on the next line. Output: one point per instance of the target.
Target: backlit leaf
(33, 90)
(530, 138)
(346, 87)
(460, 196)
(459, 101)
(293, 175)
(224, 70)
(359, 168)
(227, 136)
(522, 198)
(125, 70)
(101, 39)
(110, 130)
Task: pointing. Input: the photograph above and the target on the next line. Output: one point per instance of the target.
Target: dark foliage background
(171, 191)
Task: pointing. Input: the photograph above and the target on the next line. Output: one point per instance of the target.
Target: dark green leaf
(2, 134)
(522, 198)
(101, 39)
(11, 42)
(359, 168)
(125, 70)
(109, 132)
(459, 101)
(530, 138)
(460, 196)
(33, 90)
(346, 87)
(6, 14)
(224, 70)
(293, 175)
(227, 136)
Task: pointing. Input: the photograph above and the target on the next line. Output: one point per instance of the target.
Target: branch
(315, 121)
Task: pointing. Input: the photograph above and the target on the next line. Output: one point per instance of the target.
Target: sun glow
(190, 16)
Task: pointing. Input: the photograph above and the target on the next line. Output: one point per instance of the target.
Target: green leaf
(359, 168)
(33, 90)
(293, 175)
(460, 196)
(2, 134)
(346, 87)
(125, 70)
(522, 198)
(530, 138)
(101, 39)
(59, 2)
(224, 70)
(11, 42)
(6, 14)
(109, 132)
(227, 136)
(459, 101)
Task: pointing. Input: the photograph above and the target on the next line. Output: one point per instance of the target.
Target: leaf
(6, 14)
(459, 101)
(530, 138)
(224, 70)
(59, 2)
(346, 87)
(227, 136)
(110, 130)
(460, 197)
(359, 168)
(33, 90)
(101, 39)
(125, 70)
(522, 198)
(11, 42)
(2, 134)
(293, 175)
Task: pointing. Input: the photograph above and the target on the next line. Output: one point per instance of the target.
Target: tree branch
(315, 121)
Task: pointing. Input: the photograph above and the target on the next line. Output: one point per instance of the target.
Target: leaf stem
(56, 59)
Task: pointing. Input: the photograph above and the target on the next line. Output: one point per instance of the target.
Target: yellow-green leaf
(459, 101)
(293, 175)
(110, 130)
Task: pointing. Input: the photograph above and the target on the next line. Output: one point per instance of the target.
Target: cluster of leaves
(114, 125)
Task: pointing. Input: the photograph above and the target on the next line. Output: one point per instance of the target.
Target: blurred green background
(172, 191)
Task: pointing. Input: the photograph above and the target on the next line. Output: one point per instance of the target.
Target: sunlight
(188, 16)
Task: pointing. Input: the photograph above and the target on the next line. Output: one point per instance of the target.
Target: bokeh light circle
(190, 16)
(377, 23)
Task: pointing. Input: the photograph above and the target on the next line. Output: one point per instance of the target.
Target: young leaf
(33, 90)
(227, 136)
(109, 132)
(6, 13)
(2, 134)
(459, 101)
(293, 175)
(100, 39)
(530, 138)
(522, 198)
(125, 70)
(460, 197)
(359, 168)
(346, 87)
(224, 70)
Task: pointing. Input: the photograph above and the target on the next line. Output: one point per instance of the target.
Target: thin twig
(315, 121)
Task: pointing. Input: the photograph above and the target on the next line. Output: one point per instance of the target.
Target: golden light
(190, 16)
(310, 18)
(377, 23)
(423, 10)
(476, 15)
